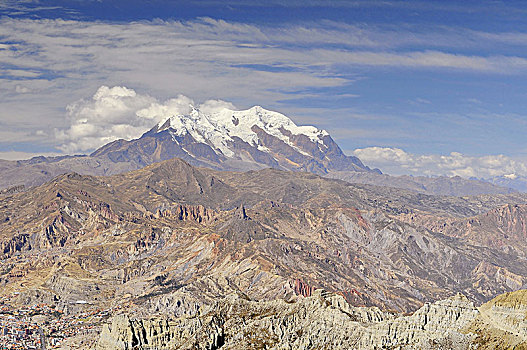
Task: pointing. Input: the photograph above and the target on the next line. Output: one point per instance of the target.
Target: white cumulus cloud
(398, 162)
(108, 115)
(160, 111)
(121, 113)
(211, 106)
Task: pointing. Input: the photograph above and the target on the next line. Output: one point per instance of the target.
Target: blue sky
(424, 87)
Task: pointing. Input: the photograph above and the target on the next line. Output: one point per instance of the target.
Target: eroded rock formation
(321, 321)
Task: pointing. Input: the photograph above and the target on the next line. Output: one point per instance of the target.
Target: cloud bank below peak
(396, 161)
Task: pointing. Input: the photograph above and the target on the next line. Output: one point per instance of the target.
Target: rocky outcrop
(302, 288)
(502, 322)
(322, 321)
(504, 227)
(12, 190)
(13, 245)
(197, 213)
(241, 214)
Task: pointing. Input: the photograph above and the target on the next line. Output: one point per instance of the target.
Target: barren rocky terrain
(172, 240)
(326, 321)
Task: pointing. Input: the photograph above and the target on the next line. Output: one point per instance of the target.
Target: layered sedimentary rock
(502, 322)
(268, 233)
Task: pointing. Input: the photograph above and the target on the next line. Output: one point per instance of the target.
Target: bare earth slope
(353, 231)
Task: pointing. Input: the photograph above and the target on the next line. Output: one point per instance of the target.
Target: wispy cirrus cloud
(47, 64)
(69, 46)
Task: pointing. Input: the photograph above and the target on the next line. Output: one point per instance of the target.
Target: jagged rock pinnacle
(241, 214)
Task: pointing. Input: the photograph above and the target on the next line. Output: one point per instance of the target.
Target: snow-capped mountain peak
(220, 128)
(228, 139)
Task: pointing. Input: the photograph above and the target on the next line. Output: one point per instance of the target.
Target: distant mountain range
(237, 141)
(519, 183)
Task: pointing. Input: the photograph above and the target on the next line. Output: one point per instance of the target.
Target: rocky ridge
(321, 321)
(504, 227)
(502, 322)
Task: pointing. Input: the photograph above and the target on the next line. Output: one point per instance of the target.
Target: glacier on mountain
(219, 128)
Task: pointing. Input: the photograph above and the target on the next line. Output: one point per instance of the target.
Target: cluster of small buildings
(72, 325)
(17, 333)
(19, 328)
